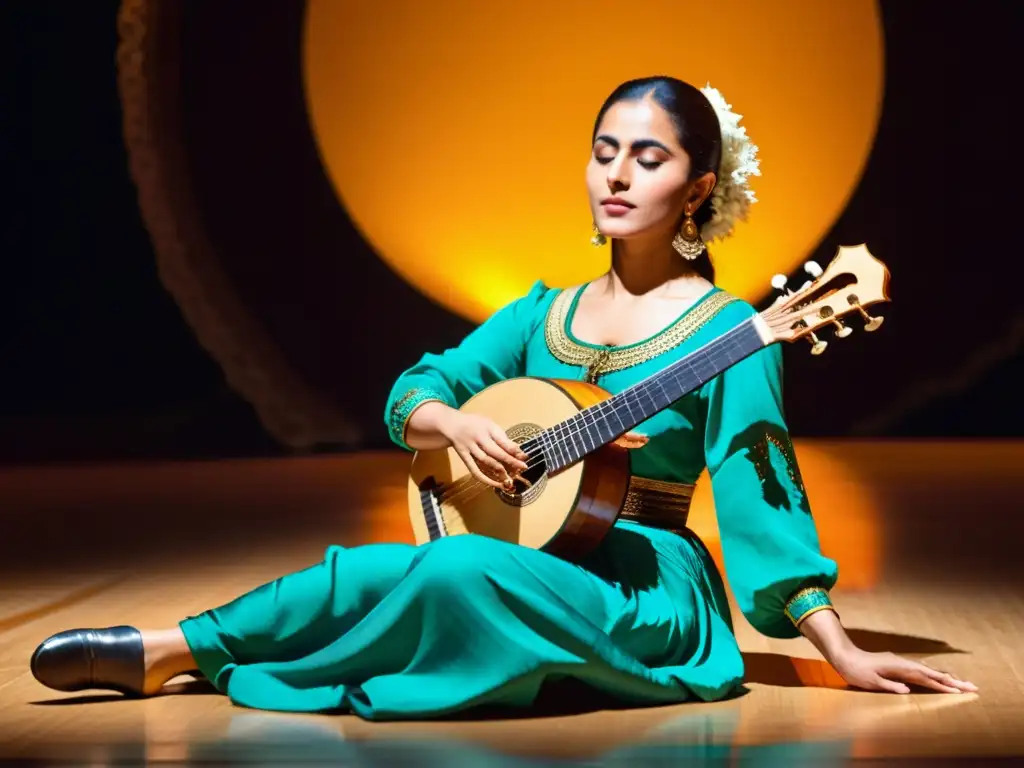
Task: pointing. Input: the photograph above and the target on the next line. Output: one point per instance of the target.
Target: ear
(700, 190)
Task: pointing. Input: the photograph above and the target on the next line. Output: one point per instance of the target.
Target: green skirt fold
(392, 631)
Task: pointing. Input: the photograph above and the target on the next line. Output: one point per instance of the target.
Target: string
(725, 343)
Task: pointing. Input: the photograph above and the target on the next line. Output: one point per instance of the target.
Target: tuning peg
(813, 269)
(842, 331)
(779, 284)
(817, 345)
(870, 323)
(873, 323)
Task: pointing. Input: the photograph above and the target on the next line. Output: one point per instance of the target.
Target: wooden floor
(927, 535)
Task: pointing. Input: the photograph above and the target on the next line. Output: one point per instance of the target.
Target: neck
(641, 265)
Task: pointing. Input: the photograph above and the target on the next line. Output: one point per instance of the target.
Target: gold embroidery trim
(763, 460)
(813, 611)
(603, 360)
(404, 407)
(807, 602)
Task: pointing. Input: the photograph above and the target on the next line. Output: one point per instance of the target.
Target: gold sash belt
(657, 504)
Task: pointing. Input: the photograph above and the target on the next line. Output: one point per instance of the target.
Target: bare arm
(425, 430)
(489, 454)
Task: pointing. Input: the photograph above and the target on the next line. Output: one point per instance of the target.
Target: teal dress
(395, 631)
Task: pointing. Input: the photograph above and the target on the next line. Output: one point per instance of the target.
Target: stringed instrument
(578, 475)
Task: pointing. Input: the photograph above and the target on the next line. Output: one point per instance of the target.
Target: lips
(616, 206)
(617, 202)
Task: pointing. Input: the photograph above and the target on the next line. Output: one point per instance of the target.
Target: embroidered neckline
(605, 359)
(577, 294)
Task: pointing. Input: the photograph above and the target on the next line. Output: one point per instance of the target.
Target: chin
(618, 230)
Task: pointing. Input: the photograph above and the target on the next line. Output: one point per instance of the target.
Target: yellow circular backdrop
(456, 132)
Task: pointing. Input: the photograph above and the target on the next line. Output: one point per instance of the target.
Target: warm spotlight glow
(456, 132)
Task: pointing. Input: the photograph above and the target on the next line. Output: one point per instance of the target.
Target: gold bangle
(803, 618)
(807, 601)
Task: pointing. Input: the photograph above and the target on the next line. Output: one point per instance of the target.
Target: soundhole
(529, 486)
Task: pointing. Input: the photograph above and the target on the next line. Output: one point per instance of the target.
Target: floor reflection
(713, 734)
(705, 739)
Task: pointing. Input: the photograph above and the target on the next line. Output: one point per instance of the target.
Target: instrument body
(567, 513)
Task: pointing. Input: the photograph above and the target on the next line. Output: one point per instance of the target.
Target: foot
(81, 659)
(117, 658)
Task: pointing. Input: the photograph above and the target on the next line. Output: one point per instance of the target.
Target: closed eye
(649, 165)
(638, 146)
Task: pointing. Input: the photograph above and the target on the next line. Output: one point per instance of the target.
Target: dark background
(98, 363)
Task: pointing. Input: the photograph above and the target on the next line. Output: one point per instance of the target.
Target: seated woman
(390, 631)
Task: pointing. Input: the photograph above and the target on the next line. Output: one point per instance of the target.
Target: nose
(618, 174)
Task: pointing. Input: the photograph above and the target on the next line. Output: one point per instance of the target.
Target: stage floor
(927, 536)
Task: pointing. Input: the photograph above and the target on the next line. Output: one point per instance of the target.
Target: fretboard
(569, 441)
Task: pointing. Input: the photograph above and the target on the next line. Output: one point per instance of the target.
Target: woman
(391, 631)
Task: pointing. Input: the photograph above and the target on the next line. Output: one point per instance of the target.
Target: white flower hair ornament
(732, 196)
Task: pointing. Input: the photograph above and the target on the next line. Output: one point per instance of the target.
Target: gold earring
(598, 239)
(687, 241)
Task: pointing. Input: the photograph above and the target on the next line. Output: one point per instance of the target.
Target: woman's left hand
(632, 440)
(889, 672)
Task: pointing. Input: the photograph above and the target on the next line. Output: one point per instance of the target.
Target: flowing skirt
(395, 631)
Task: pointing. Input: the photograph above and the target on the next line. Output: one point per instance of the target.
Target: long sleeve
(494, 351)
(772, 555)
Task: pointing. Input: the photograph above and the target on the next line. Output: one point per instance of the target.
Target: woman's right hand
(484, 447)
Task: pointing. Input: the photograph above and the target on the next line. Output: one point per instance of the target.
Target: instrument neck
(569, 441)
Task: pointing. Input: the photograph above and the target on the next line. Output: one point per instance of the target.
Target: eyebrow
(636, 146)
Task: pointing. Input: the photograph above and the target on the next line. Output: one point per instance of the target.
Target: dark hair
(697, 130)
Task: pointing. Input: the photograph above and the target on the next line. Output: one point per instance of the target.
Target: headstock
(853, 281)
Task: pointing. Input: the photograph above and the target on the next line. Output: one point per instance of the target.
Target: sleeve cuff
(806, 602)
(403, 409)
